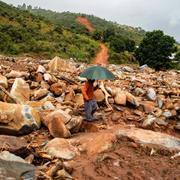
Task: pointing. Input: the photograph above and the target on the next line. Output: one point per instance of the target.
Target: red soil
(102, 55)
(85, 22)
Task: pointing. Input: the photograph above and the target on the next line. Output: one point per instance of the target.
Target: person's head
(91, 81)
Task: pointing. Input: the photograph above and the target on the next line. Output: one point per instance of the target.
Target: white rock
(20, 91)
(151, 94)
(41, 69)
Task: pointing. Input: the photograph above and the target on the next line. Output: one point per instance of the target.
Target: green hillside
(24, 33)
(68, 21)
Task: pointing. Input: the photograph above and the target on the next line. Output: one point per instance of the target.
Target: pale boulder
(60, 148)
(78, 99)
(19, 119)
(57, 64)
(120, 98)
(99, 95)
(17, 74)
(39, 94)
(20, 91)
(3, 81)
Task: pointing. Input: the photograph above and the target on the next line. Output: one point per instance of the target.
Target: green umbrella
(97, 73)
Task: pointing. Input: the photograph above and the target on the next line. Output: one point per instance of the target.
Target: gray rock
(41, 69)
(149, 121)
(167, 114)
(151, 94)
(12, 166)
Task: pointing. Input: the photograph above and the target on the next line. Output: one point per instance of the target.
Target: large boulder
(17, 74)
(55, 122)
(99, 95)
(20, 91)
(14, 167)
(132, 99)
(60, 148)
(3, 81)
(58, 88)
(57, 64)
(13, 144)
(16, 119)
(120, 98)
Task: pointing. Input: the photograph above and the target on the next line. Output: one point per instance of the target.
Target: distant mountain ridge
(68, 21)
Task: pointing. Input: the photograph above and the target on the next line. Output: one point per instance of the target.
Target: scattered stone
(127, 69)
(39, 94)
(149, 121)
(148, 106)
(78, 99)
(115, 117)
(161, 122)
(3, 81)
(132, 99)
(34, 85)
(17, 74)
(38, 77)
(168, 104)
(58, 88)
(151, 94)
(160, 102)
(74, 124)
(64, 174)
(167, 114)
(139, 92)
(20, 91)
(60, 148)
(41, 69)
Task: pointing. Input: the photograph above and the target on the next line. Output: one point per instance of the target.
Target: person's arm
(84, 90)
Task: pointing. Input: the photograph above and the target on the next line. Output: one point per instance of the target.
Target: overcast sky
(148, 14)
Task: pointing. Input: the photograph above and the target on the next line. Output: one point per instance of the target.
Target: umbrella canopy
(97, 73)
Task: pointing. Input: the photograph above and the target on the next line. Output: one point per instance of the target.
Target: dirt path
(102, 55)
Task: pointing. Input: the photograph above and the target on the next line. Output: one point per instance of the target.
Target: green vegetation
(22, 32)
(68, 21)
(155, 50)
(121, 39)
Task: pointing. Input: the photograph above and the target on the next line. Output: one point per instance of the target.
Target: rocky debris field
(44, 135)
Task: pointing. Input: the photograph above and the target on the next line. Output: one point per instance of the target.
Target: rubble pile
(46, 95)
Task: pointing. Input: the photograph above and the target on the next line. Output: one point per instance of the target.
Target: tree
(117, 43)
(155, 50)
(177, 57)
(130, 45)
